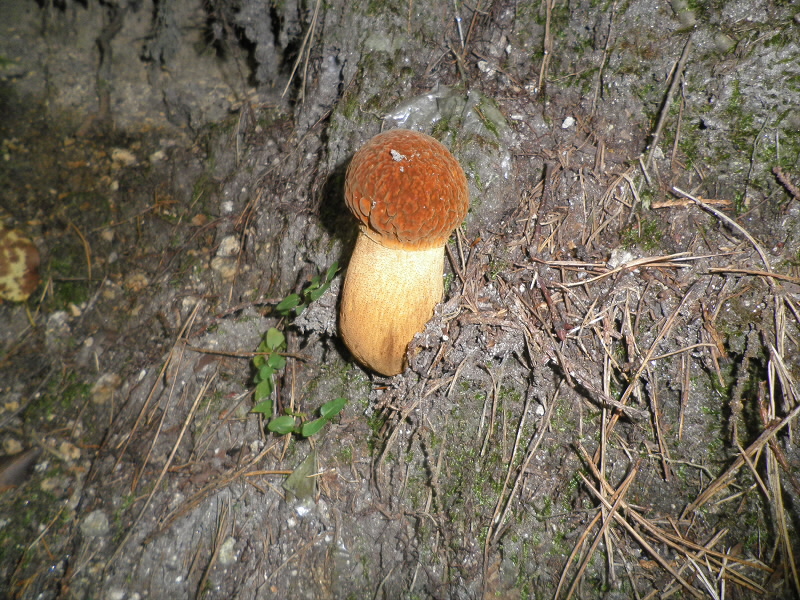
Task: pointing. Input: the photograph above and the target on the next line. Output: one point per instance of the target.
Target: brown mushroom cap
(407, 190)
(409, 193)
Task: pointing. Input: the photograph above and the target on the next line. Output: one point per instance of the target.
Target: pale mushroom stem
(388, 297)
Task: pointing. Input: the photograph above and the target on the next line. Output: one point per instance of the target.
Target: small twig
(246, 354)
(543, 204)
(675, 143)
(700, 554)
(618, 498)
(674, 203)
(662, 445)
(222, 530)
(495, 398)
(187, 421)
(637, 536)
(456, 375)
(722, 216)
(268, 472)
(393, 436)
(476, 10)
(453, 262)
(499, 518)
(634, 382)
(557, 319)
(547, 46)
(604, 61)
(87, 250)
(777, 369)
(605, 400)
(646, 261)
(754, 272)
(458, 23)
(784, 180)
(304, 50)
(676, 542)
(726, 478)
(754, 471)
(143, 411)
(779, 512)
(682, 350)
(676, 77)
(748, 178)
(460, 65)
(222, 481)
(300, 552)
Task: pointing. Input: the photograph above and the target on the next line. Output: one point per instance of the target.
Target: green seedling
(326, 412)
(298, 423)
(267, 362)
(317, 287)
(270, 358)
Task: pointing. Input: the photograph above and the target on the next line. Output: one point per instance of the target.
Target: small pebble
(95, 524)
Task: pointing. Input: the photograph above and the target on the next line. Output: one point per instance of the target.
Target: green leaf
(259, 361)
(264, 407)
(334, 407)
(285, 306)
(300, 485)
(331, 272)
(275, 339)
(316, 294)
(312, 427)
(265, 372)
(313, 285)
(276, 361)
(282, 425)
(263, 389)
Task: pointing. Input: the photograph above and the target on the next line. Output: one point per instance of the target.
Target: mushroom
(409, 193)
(19, 266)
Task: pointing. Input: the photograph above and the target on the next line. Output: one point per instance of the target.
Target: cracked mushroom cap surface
(407, 190)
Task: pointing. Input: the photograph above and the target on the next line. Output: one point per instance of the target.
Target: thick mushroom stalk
(388, 297)
(409, 193)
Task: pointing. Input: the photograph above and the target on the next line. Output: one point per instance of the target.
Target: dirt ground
(604, 405)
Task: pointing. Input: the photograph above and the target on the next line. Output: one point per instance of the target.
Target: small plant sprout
(297, 423)
(317, 287)
(326, 412)
(267, 361)
(270, 358)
